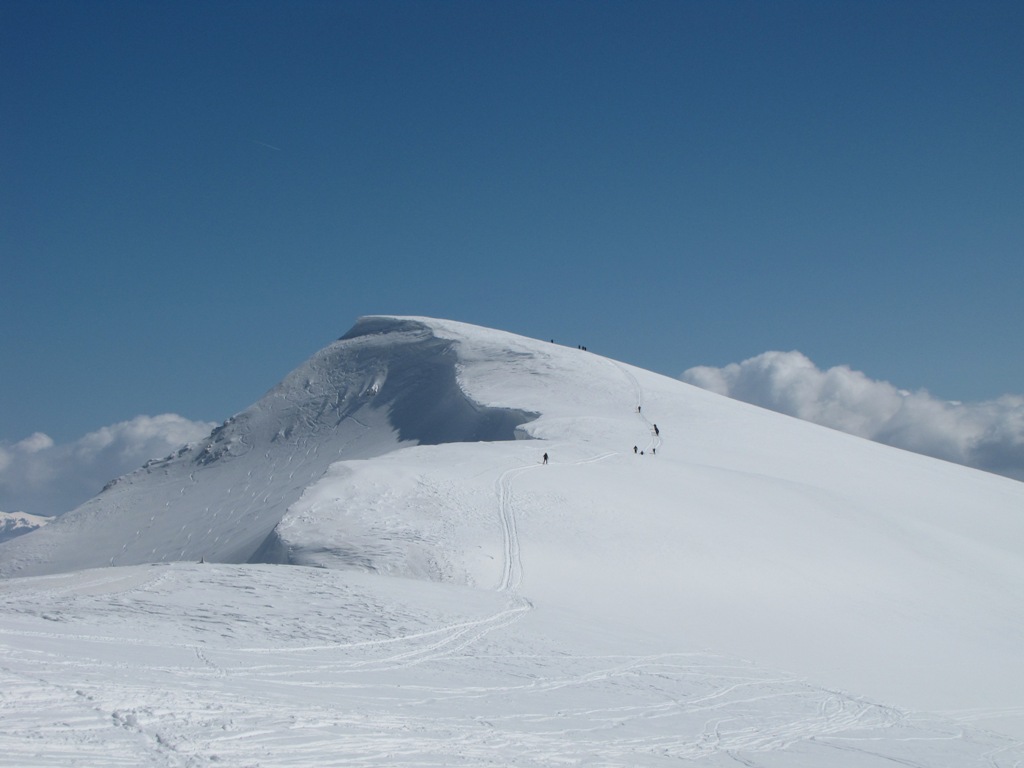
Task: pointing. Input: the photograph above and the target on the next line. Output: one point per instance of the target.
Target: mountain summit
(415, 448)
(388, 383)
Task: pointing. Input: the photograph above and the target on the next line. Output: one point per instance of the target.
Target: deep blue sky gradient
(196, 196)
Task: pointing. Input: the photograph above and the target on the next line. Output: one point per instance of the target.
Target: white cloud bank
(987, 435)
(45, 478)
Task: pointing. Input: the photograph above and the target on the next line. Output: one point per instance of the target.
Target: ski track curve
(512, 566)
(646, 710)
(433, 698)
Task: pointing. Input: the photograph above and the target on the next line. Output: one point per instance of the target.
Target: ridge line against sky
(194, 197)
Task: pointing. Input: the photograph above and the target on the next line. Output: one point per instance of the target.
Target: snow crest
(388, 383)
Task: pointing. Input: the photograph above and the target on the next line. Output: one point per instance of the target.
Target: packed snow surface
(743, 588)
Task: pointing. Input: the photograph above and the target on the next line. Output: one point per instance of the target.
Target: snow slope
(760, 591)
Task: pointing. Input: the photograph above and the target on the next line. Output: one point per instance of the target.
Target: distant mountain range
(14, 524)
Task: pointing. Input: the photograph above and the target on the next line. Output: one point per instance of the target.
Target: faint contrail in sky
(268, 146)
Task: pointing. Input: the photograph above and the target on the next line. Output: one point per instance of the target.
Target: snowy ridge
(744, 588)
(385, 384)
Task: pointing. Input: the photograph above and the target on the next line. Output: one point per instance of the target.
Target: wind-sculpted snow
(686, 580)
(386, 384)
(418, 386)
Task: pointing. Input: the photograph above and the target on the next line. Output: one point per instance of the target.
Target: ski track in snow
(449, 698)
(512, 569)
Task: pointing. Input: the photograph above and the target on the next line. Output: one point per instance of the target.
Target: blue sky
(194, 196)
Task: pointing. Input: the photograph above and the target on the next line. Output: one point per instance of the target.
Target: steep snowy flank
(387, 383)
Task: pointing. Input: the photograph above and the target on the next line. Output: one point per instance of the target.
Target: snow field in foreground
(183, 665)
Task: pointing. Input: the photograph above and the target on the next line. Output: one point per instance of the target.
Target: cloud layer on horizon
(41, 477)
(987, 435)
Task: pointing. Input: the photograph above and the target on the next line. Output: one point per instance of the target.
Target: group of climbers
(636, 449)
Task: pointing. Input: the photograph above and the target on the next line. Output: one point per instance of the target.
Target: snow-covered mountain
(386, 384)
(687, 578)
(13, 524)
